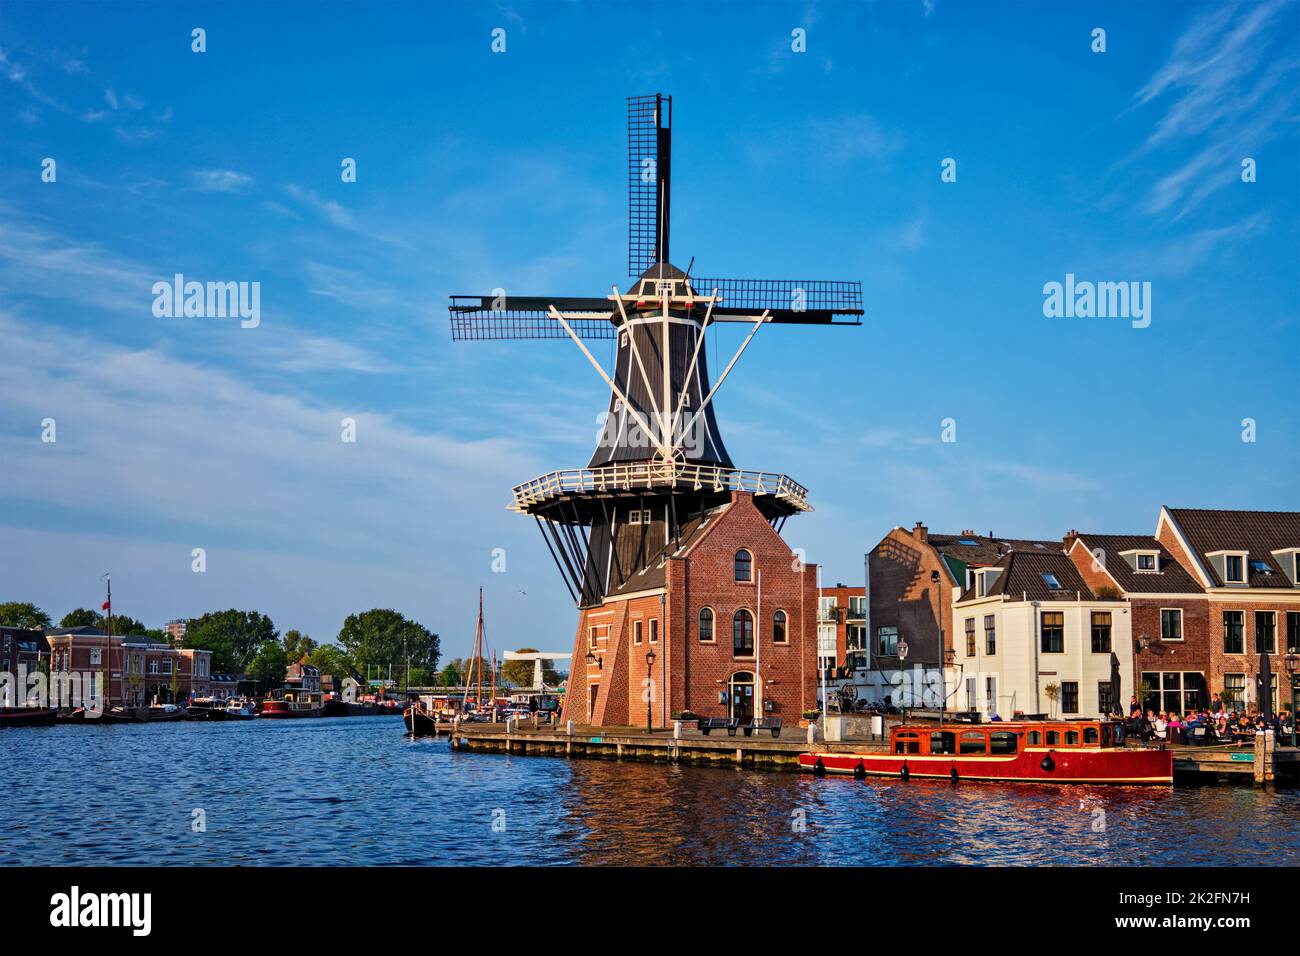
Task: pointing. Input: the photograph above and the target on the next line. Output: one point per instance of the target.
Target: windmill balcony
(657, 476)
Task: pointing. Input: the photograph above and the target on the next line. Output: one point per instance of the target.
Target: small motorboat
(27, 716)
(239, 708)
(1048, 751)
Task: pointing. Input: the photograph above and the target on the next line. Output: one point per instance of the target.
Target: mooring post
(1261, 773)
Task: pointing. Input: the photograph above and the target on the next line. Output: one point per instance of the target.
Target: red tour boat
(1050, 751)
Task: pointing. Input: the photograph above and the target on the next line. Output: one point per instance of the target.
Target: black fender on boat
(819, 768)
(1047, 764)
(952, 773)
(904, 772)
(860, 771)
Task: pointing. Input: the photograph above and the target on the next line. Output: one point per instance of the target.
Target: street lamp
(649, 715)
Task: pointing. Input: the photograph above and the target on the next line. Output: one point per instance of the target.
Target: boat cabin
(1002, 738)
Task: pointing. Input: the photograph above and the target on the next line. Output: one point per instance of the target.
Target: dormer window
(1229, 565)
(1288, 559)
(1146, 561)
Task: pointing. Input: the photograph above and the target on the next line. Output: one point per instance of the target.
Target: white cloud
(221, 180)
(1219, 106)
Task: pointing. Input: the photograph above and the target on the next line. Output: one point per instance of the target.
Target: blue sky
(478, 170)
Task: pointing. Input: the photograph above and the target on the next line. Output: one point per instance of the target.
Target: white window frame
(1182, 634)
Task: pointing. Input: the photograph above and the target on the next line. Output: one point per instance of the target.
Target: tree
(234, 637)
(521, 672)
(298, 645)
(82, 617)
(382, 636)
(269, 665)
(85, 617)
(127, 625)
(450, 676)
(333, 660)
(24, 615)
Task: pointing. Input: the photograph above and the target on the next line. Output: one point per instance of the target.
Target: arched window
(744, 565)
(706, 625)
(778, 628)
(742, 634)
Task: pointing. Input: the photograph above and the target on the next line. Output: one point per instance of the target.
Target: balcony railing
(649, 476)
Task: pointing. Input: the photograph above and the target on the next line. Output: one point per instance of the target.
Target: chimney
(920, 532)
(1071, 536)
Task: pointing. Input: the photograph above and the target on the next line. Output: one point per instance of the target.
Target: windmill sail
(649, 167)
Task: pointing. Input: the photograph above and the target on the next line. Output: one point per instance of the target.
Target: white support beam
(636, 353)
(690, 369)
(732, 364)
(631, 409)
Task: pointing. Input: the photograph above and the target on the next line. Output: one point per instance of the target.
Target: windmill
(660, 464)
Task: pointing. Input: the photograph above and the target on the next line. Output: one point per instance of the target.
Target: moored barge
(1075, 751)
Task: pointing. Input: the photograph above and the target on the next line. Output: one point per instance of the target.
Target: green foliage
(333, 660)
(85, 617)
(521, 672)
(23, 614)
(298, 645)
(382, 636)
(82, 617)
(450, 676)
(269, 665)
(234, 637)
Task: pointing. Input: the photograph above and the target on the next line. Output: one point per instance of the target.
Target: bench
(764, 723)
(718, 723)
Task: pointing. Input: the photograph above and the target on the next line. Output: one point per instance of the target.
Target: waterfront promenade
(761, 751)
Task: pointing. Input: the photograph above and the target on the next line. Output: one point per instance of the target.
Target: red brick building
(915, 576)
(1248, 563)
(842, 626)
(1172, 659)
(136, 669)
(726, 619)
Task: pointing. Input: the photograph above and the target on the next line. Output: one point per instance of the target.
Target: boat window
(1053, 737)
(1072, 738)
(1035, 737)
(973, 742)
(943, 742)
(1002, 742)
(906, 744)
(1090, 735)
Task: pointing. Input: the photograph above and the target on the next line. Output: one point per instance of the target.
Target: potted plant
(1053, 691)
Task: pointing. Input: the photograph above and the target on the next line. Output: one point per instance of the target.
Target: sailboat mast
(478, 651)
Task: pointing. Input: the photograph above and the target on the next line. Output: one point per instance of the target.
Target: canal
(357, 791)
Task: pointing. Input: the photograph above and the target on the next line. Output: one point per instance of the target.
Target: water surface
(357, 791)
